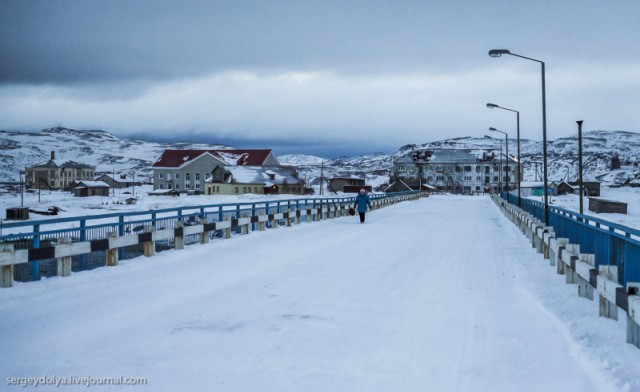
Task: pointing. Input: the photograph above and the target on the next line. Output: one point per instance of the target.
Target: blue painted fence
(611, 243)
(41, 233)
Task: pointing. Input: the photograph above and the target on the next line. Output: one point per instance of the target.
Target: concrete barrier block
(178, 240)
(112, 253)
(6, 276)
(63, 264)
(149, 246)
(204, 236)
(633, 315)
(607, 286)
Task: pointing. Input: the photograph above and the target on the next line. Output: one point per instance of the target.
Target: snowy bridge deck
(438, 294)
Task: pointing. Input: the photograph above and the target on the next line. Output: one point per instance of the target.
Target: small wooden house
(564, 188)
(90, 188)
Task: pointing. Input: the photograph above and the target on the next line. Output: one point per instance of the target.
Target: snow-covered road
(440, 294)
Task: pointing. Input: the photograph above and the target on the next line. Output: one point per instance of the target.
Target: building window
(237, 190)
(177, 176)
(467, 178)
(177, 186)
(187, 185)
(197, 176)
(161, 175)
(168, 176)
(161, 186)
(197, 185)
(187, 176)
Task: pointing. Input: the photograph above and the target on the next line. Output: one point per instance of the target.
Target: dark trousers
(361, 217)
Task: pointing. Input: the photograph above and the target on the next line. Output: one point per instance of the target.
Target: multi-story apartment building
(53, 175)
(457, 170)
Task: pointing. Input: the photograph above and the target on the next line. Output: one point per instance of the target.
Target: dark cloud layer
(68, 41)
(374, 74)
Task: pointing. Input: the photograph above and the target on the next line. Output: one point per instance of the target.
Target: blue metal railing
(36, 234)
(611, 243)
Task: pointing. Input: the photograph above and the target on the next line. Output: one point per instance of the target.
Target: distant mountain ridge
(110, 153)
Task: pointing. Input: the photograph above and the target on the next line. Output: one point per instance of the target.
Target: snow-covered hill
(110, 153)
(598, 149)
(102, 149)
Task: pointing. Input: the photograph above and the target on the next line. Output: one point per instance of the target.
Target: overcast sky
(321, 77)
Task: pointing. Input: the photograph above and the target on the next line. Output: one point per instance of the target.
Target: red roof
(177, 158)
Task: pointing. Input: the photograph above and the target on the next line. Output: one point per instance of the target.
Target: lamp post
(499, 53)
(506, 142)
(580, 162)
(494, 106)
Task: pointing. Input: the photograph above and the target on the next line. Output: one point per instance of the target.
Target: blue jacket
(362, 201)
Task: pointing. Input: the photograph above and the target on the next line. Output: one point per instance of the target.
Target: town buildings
(54, 175)
(226, 172)
(457, 170)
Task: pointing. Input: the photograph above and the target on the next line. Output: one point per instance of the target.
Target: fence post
(204, 236)
(227, 231)
(244, 229)
(112, 254)
(121, 232)
(150, 245)
(6, 273)
(63, 267)
(260, 221)
(288, 219)
(633, 314)
(178, 236)
(35, 265)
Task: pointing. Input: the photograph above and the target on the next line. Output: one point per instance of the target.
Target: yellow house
(239, 180)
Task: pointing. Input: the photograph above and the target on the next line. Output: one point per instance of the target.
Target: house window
(177, 186)
(161, 186)
(177, 176)
(467, 178)
(197, 176)
(197, 185)
(168, 176)
(187, 185)
(187, 177)
(237, 190)
(161, 175)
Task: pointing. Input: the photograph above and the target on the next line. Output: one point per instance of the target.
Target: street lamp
(494, 106)
(580, 163)
(506, 142)
(499, 53)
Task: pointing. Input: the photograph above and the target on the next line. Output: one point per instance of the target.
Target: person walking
(362, 201)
